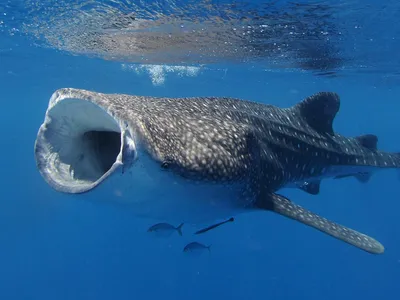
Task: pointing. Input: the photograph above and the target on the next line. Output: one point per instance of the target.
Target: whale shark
(199, 159)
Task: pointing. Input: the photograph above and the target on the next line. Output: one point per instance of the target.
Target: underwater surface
(58, 246)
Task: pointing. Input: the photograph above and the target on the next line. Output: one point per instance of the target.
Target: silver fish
(196, 247)
(165, 229)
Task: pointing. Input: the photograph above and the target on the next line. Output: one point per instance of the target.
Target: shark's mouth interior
(78, 145)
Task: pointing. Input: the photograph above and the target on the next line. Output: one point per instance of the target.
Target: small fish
(196, 247)
(214, 226)
(165, 229)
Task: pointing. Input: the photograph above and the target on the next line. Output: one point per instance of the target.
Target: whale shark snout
(80, 144)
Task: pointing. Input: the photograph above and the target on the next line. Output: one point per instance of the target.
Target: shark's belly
(153, 193)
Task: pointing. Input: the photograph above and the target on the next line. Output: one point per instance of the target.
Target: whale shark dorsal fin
(283, 206)
(310, 187)
(369, 141)
(319, 111)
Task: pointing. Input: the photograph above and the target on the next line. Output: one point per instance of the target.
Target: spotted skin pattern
(283, 206)
(225, 141)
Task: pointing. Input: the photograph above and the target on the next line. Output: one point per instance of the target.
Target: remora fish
(214, 226)
(200, 159)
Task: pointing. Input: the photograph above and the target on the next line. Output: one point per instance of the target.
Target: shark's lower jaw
(79, 144)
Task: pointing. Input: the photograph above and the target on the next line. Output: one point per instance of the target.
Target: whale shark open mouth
(79, 144)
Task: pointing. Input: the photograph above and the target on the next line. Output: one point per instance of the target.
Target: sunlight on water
(322, 36)
(194, 32)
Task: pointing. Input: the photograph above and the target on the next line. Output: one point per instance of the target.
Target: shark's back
(215, 139)
(200, 138)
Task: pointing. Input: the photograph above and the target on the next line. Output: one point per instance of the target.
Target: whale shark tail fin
(398, 169)
(179, 229)
(285, 207)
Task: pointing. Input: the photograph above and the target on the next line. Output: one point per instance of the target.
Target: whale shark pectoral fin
(285, 207)
(310, 187)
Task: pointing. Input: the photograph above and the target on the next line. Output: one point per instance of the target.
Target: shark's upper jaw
(80, 144)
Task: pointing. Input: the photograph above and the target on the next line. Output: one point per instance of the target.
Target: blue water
(55, 247)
